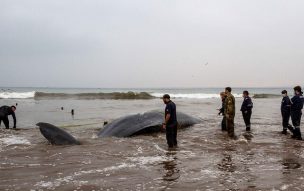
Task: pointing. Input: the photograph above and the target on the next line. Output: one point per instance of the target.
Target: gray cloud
(151, 43)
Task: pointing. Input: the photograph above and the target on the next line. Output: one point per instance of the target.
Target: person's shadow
(171, 171)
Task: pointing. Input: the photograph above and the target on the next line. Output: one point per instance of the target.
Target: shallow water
(205, 160)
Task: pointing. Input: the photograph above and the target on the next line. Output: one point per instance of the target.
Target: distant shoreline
(130, 95)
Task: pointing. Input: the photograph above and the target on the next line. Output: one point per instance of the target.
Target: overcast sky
(151, 43)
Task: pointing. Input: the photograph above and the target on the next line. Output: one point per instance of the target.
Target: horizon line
(195, 87)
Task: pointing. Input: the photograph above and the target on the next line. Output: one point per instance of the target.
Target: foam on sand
(14, 140)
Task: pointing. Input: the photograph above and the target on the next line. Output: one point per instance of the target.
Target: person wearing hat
(170, 123)
(5, 111)
(285, 111)
(296, 111)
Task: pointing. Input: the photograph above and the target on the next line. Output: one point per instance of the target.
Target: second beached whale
(143, 123)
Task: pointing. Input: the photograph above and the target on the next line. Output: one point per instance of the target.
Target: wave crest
(114, 95)
(194, 96)
(17, 95)
(117, 95)
(256, 96)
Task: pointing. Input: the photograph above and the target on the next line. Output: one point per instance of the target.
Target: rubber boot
(291, 129)
(248, 128)
(294, 136)
(298, 133)
(224, 127)
(284, 132)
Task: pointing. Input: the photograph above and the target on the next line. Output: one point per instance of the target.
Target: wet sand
(205, 160)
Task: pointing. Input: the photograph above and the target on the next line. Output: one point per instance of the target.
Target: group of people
(290, 108)
(228, 111)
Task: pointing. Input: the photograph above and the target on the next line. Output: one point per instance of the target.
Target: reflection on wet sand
(290, 164)
(290, 159)
(171, 171)
(227, 164)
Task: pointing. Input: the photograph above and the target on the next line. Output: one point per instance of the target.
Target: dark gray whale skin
(148, 122)
(55, 135)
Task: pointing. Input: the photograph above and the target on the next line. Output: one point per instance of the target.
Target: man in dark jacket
(222, 111)
(5, 111)
(285, 111)
(247, 110)
(170, 123)
(296, 111)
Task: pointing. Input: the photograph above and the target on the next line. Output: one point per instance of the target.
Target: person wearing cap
(296, 111)
(246, 109)
(230, 112)
(170, 123)
(285, 111)
(5, 111)
(222, 111)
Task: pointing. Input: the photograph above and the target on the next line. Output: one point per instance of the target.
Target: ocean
(195, 93)
(205, 160)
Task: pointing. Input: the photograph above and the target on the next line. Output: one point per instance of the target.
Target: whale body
(148, 122)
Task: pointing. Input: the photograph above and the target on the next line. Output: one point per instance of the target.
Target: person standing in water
(170, 123)
(222, 111)
(246, 110)
(230, 111)
(285, 111)
(296, 111)
(5, 111)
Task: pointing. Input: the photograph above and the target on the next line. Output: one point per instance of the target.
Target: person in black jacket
(296, 111)
(170, 123)
(222, 111)
(247, 110)
(5, 111)
(285, 111)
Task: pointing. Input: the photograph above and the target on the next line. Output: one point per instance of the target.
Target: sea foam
(17, 95)
(193, 96)
(14, 140)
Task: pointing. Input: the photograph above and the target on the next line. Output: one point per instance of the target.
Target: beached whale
(55, 135)
(148, 122)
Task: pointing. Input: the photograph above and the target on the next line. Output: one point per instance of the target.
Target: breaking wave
(116, 95)
(194, 96)
(266, 96)
(17, 95)
(43, 95)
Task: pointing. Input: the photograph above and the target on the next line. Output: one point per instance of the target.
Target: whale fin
(55, 135)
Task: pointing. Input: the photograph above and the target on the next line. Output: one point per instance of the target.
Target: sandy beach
(205, 160)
